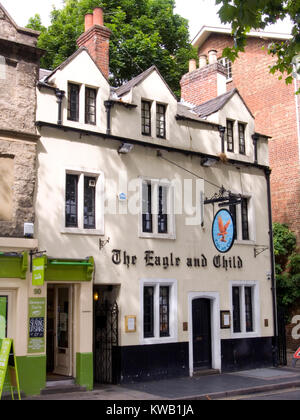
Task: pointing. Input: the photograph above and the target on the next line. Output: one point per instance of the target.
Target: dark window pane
(164, 311)
(89, 202)
(148, 312)
(248, 308)
(90, 106)
(162, 209)
(147, 207)
(232, 210)
(146, 118)
(73, 102)
(161, 121)
(245, 224)
(230, 138)
(71, 209)
(242, 144)
(236, 309)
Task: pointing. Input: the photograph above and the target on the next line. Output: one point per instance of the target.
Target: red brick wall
(96, 40)
(201, 85)
(273, 104)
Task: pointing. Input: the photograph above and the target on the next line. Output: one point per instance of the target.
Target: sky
(198, 13)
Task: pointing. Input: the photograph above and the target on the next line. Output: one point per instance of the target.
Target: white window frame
(224, 61)
(251, 222)
(155, 183)
(173, 321)
(255, 309)
(99, 202)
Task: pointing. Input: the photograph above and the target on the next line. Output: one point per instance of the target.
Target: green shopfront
(46, 307)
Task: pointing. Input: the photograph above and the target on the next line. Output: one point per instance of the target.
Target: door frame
(69, 286)
(10, 294)
(214, 298)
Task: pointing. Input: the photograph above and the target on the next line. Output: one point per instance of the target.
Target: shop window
(243, 308)
(146, 118)
(161, 121)
(84, 203)
(3, 316)
(90, 105)
(242, 141)
(73, 102)
(230, 136)
(157, 218)
(159, 309)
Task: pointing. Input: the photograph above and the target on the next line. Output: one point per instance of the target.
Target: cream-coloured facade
(175, 303)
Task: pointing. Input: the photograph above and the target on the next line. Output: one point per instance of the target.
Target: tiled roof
(214, 105)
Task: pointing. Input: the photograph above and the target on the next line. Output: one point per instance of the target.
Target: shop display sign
(37, 311)
(8, 364)
(223, 231)
(38, 271)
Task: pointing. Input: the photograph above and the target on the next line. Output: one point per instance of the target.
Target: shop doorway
(106, 336)
(202, 348)
(59, 331)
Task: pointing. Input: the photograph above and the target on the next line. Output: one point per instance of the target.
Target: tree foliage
(144, 32)
(258, 14)
(287, 266)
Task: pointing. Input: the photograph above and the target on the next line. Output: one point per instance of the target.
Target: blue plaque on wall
(223, 231)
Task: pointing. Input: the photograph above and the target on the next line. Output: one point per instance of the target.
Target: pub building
(152, 220)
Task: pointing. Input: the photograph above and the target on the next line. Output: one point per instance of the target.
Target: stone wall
(19, 59)
(23, 185)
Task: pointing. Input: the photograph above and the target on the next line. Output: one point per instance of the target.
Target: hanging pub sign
(223, 231)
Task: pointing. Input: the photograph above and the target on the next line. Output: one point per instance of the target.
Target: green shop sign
(70, 270)
(13, 265)
(38, 271)
(36, 333)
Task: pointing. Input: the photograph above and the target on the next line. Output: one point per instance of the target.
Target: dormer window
(90, 105)
(73, 102)
(146, 118)
(161, 121)
(230, 137)
(242, 142)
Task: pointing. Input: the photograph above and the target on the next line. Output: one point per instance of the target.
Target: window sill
(244, 335)
(77, 231)
(242, 242)
(157, 236)
(161, 340)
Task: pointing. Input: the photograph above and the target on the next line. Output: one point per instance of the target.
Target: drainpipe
(273, 273)
(108, 106)
(222, 134)
(60, 96)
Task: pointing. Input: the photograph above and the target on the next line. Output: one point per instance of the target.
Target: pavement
(210, 387)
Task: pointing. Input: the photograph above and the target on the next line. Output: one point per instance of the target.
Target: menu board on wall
(36, 333)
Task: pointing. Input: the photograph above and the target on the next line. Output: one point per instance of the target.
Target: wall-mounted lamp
(102, 243)
(208, 162)
(96, 296)
(125, 148)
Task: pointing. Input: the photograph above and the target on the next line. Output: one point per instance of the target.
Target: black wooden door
(202, 334)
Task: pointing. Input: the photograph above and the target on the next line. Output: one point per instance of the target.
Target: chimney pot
(212, 56)
(202, 61)
(98, 16)
(88, 21)
(192, 65)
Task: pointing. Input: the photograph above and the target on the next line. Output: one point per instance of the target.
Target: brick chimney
(96, 39)
(205, 83)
